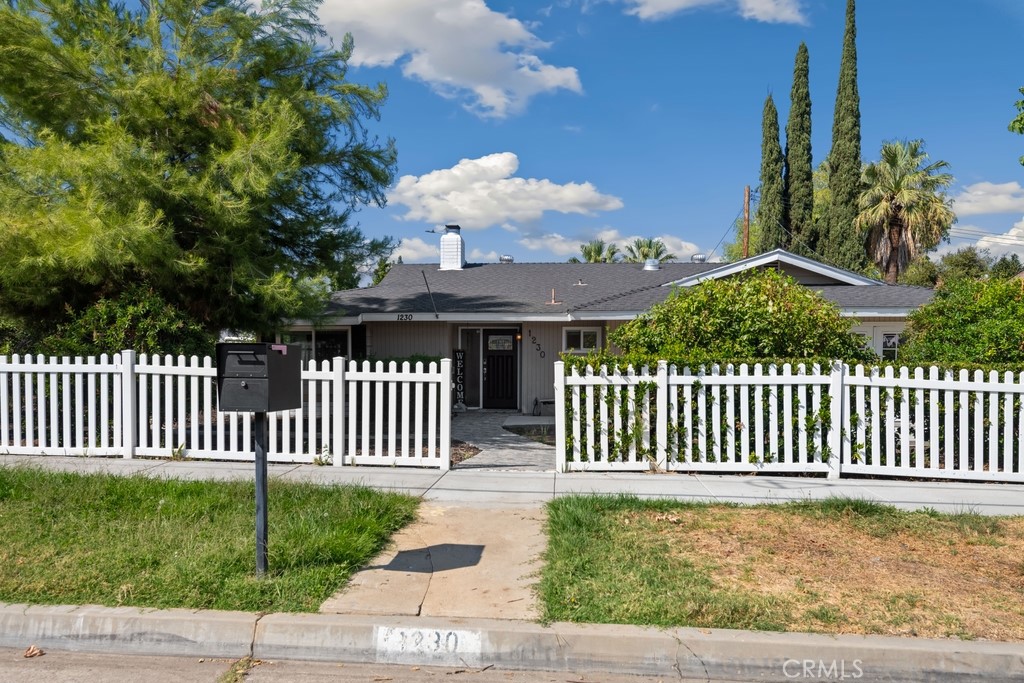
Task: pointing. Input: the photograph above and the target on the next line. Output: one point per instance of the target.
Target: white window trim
(581, 330)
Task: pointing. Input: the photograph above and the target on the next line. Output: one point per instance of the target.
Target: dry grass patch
(927, 577)
(836, 566)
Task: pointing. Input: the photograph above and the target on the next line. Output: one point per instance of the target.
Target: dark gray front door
(500, 369)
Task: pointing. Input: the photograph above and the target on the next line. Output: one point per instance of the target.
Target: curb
(681, 654)
(128, 630)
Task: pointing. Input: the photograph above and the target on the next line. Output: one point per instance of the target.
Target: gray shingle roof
(522, 288)
(884, 296)
(595, 288)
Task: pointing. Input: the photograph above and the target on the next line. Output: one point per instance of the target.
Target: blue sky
(541, 125)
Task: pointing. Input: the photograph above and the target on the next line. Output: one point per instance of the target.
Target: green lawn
(103, 539)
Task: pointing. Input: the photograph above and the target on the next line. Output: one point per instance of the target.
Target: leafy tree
(798, 176)
(968, 321)
(137, 319)
(1006, 267)
(211, 153)
(597, 251)
(822, 197)
(840, 243)
(921, 272)
(1017, 125)
(643, 249)
(381, 269)
(904, 210)
(964, 264)
(770, 201)
(757, 315)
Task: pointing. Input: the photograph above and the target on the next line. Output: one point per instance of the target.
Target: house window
(890, 345)
(581, 339)
(318, 345)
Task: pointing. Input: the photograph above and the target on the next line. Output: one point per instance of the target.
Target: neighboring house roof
(807, 271)
(592, 291)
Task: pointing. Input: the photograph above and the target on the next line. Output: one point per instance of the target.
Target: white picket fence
(128, 405)
(834, 420)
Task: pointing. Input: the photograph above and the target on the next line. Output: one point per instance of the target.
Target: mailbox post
(259, 378)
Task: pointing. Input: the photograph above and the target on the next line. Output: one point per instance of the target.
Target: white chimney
(453, 249)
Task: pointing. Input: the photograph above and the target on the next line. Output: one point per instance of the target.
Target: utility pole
(746, 221)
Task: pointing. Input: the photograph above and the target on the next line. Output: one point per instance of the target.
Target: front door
(500, 372)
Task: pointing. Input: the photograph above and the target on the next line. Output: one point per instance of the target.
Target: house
(506, 323)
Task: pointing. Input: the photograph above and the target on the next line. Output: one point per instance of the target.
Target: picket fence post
(338, 411)
(560, 416)
(129, 405)
(837, 404)
(662, 416)
(445, 386)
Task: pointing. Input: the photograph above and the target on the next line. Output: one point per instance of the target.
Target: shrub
(968, 321)
(756, 315)
(137, 319)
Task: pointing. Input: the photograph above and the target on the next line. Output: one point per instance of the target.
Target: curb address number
(414, 644)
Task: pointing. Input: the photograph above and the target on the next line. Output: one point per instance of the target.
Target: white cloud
(480, 193)
(479, 256)
(768, 11)
(986, 198)
(414, 249)
(1009, 242)
(675, 245)
(560, 245)
(552, 243)
(998, 244)
(461, 48)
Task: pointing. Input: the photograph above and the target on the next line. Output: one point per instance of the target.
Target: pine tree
(841, 244)
(770, 203)
(212, 152)
(798, 176)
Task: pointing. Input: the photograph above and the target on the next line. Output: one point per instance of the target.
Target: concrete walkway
(453, 562)
(455, 588)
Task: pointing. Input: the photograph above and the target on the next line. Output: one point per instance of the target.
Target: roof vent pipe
(698, 258)
(453, 249)
(652, 264)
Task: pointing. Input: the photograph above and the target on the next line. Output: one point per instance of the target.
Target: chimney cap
(454, 226)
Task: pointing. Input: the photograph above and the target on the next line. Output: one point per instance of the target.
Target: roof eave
(775, 256)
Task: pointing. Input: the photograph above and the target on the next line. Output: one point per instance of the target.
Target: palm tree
(643, 248)
(596, 251)
(904, 209)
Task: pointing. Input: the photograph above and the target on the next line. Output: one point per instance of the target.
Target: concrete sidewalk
(455, 588)
(483, 488)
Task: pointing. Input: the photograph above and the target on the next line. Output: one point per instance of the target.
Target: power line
(732, 226)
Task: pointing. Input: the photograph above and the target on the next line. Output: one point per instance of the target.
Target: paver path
(500, 448)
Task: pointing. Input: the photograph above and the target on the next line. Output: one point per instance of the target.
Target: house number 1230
(404, 317)
(533, 340)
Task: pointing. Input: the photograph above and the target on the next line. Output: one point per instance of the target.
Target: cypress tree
(842, 245)
(798, 177)
(770, 204)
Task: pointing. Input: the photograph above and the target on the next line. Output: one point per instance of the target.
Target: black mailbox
(258, 377)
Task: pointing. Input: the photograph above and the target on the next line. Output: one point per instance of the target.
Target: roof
(525, 289)
(581, 291)
(811, 270)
